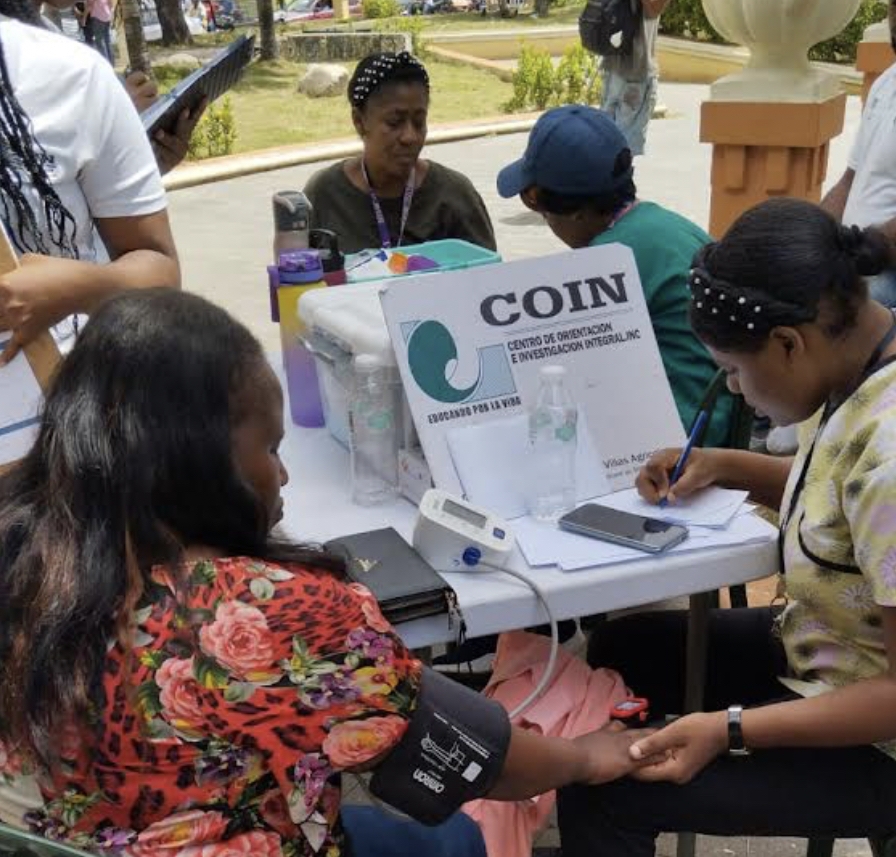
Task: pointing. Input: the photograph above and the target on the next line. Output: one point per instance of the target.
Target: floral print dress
(246, 691)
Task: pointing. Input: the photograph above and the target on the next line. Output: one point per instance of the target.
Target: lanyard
(873, 363)
(622, 212)
(382, 228)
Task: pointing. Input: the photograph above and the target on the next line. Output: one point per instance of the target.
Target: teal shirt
(664, 244)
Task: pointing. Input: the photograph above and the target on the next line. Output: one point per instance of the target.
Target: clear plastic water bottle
(552, 442)
(373, 431)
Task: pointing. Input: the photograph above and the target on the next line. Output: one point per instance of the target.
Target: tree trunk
(138, 54)
(268, 30)
(174, 26)
(542, 7)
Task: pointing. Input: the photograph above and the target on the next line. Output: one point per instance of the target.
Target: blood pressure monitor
(452, 535)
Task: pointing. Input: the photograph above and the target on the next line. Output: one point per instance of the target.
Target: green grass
(270, 112)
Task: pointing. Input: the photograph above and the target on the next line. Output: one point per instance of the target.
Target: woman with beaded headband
(800, 734)
(389, 196)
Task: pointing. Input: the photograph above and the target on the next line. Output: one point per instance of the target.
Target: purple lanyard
(385, 237)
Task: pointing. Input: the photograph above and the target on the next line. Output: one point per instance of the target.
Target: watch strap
(736, 745)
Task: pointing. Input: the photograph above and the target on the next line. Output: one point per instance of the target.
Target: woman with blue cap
(577, 173)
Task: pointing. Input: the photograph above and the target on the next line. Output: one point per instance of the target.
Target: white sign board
(469, 345)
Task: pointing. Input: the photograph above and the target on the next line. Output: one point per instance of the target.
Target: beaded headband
(380, 70)
(714, 297)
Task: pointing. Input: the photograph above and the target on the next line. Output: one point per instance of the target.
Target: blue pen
(696, 431)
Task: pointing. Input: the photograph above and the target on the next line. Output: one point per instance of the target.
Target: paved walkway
(224, 230)
(224, 234)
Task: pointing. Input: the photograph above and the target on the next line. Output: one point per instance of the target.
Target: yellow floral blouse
(840, 541)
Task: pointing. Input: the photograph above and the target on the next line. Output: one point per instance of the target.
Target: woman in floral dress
(179, 682)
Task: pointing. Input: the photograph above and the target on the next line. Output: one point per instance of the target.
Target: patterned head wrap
(375, 70)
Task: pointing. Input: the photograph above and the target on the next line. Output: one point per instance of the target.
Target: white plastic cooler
(341, 323)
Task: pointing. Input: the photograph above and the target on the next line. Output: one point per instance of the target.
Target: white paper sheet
(546, 544)
(711, 507)
(20, 397)
(490, 460)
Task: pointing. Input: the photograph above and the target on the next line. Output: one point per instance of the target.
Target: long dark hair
(783, 262)
(132, 463)
(24, 160)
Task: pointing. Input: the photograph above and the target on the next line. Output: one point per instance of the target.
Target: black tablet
(211, 82)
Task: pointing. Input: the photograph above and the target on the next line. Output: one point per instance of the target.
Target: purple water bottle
(298, 272)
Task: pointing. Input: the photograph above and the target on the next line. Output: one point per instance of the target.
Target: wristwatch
(736, 746)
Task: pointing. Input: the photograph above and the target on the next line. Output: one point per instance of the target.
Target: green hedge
(687, 18)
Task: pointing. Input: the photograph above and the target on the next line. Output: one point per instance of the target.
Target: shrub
(215, 134)
(842, 48)
(413, 26)
(687, 18)
(537, 84)
(380, 8)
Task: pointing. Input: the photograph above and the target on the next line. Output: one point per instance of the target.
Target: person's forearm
(888, 228)
(139, 269)
(859, 714)
(536, 764)
(764, 476)
(834, 201)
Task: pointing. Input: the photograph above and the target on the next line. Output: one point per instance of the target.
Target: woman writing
(181, 681)
(62, 171)
(389, 196)
(782, 305)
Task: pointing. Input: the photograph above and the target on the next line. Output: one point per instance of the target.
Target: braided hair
(24, 162)
(784, 262)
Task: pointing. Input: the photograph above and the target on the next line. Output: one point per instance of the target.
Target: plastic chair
(17, 843)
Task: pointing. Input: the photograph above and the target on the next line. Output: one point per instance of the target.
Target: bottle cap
(326, 242)
(300, 266)
(292, 210)
(552, 372)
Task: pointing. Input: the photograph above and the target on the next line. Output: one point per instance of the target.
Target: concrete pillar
(770, 124)
(340, 10)
(875, 54)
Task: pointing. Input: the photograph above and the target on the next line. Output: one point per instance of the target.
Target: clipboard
(41, 356)
(211, 81)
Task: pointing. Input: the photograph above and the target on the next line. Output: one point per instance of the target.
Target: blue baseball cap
(571, 150)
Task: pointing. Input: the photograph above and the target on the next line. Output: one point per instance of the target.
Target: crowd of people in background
(176, 675)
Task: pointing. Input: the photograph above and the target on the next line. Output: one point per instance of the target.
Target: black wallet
(405, 585)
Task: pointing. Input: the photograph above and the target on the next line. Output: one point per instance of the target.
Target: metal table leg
(695, 680)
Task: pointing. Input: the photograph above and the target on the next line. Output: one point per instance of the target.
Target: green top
(664, 244)
(446, 205)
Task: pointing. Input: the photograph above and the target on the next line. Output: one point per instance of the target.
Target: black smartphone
(623, 528)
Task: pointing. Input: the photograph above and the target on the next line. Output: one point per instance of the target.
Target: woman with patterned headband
(801, 735)
(389, 196)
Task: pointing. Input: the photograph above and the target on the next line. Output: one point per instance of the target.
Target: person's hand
(607, 753)
(35, 296)
(171, 149)
(700, 470)
(142, 90)
(682, 749)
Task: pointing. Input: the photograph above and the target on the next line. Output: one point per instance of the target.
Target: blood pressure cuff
(453, 751)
